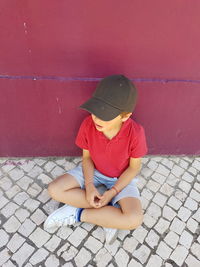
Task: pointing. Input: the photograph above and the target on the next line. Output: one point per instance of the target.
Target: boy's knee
(52, 189)
(134, 221)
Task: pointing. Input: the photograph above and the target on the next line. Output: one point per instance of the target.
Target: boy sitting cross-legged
(112, 145)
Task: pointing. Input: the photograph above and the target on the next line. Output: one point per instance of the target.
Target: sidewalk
(169, 235)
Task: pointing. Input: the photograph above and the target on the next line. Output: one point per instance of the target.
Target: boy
(113, 145)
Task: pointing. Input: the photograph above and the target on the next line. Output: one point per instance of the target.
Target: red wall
(53, 53)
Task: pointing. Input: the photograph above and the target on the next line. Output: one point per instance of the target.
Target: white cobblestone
(102, 258)
(186, 239)
(142, 253)
(154, 211)
(161, 226)
(134, 263)
(11, 225)
(152, 239)
(121, 258)
(148, 220)
(154, 260)
(195, 249)
(35, 172)
(38, 217)
(5, 183)
(163, 170)
(22, 214)
(153, 186)
(3, 201)
(39, 237)
(15, 242)
(44, 178)
(24, 182)
(174, 203)
(158, 178)
(22, 254)
(13, 191)
(21, 197)
(172, 180)
(188, 177)
(49, 166)
(4, 256)
(166, 189)
(192, 225)
(69, 254)
(140, 233)
(52, 261)
(83, 257)
(39, 256)
(163, 250)
(4, 237)
(44, 196)
(27, 227)
(34, 190)
(9, 209)
(184, 214)
(160, 199)
(172, 239)
(177, 171)
(195, 195)
(16, 174)
(93, 244)
(179, 255)
(130, 244)
(191, 204)
(31, 204)
(177, 226)
(77, 236)
(53, 243)
(192, 261)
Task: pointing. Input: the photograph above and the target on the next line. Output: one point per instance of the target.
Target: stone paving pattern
(169, 235)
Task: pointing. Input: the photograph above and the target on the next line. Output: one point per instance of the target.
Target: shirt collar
(123, 132)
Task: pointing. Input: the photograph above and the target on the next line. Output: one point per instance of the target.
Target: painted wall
(53, 53)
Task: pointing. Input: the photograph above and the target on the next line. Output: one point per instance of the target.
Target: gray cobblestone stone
(142, 253)
(83, 257)
(22, 254)
(15, 242)
(121, 258)
(102, 258)
(39, 256)
(52, 261)
(179, 255)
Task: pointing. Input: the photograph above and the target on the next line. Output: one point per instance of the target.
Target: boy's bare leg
(67, 190)
(130, 215)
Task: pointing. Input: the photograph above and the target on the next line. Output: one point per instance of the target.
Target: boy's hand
(106, 198)
(93, 196)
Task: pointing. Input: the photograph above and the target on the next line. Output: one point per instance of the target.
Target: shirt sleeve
(81, 138)
(139, 145)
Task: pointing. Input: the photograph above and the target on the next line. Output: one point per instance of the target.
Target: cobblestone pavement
(169, 235)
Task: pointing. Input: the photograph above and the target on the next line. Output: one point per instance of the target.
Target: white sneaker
(66, 215)
(110, 235)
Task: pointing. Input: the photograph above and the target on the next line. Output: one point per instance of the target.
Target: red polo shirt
(111, 157)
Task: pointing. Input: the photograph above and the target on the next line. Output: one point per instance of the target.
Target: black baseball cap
(113, 95)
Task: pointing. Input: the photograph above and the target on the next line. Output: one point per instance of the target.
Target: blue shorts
(130, 190)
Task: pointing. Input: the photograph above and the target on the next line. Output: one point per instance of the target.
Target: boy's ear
(127, 116)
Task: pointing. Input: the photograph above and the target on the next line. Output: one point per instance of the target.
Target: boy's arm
(126, 177)
(88, 167)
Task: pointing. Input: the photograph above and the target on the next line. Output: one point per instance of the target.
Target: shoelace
(67, 221)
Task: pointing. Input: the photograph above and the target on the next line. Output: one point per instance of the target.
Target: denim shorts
(130, 190)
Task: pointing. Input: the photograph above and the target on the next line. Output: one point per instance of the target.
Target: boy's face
(104, 126)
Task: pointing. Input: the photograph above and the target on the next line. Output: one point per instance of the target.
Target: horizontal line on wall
(88, 79)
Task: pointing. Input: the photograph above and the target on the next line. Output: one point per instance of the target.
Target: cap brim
(101, 109)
